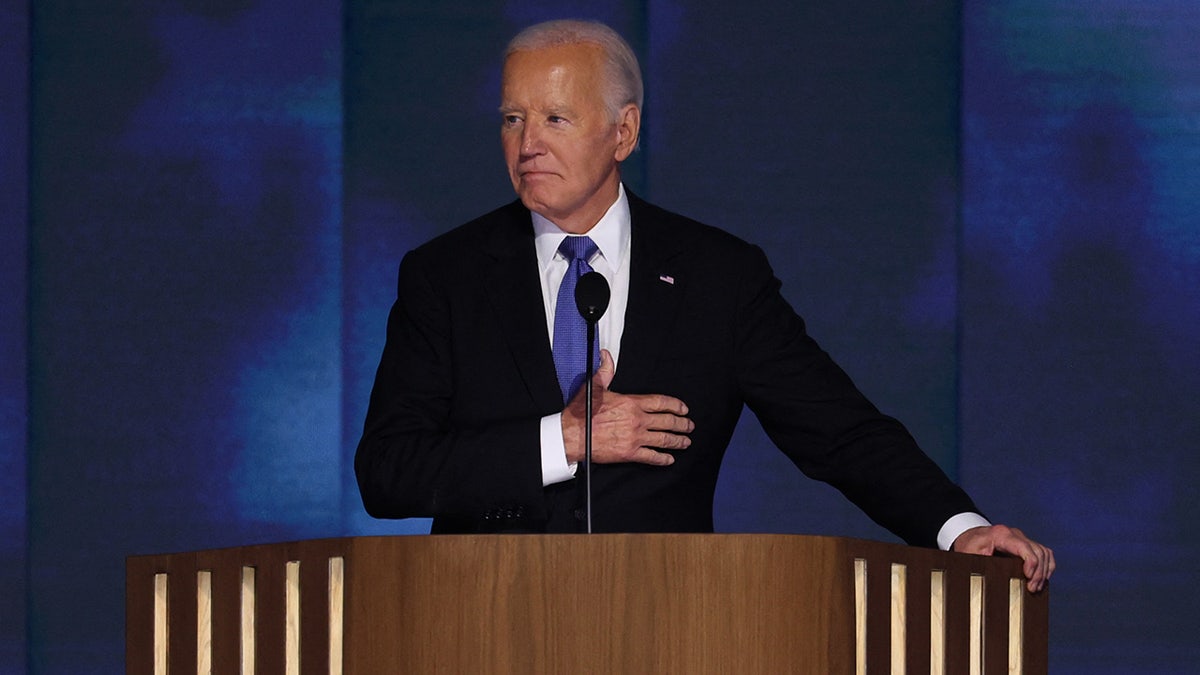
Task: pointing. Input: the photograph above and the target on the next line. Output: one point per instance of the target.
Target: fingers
(663, 427)
(639, 428)
(652, 457)
(604, 374)
(1039, 565)
(661, 403)
(666, 440)
(1038, 560)
(671, 422)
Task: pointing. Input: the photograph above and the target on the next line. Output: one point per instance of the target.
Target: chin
(533, 202)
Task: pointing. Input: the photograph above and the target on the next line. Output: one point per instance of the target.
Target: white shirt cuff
(956, 526)
(555, 468)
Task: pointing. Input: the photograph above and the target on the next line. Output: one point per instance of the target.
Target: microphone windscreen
(591, 296)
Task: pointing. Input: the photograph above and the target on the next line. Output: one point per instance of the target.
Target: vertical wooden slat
(978, 587)
(860, 616)
(337, 609)
(161, 625)
(937, 622)
(1016, 626)
(204, 624)
(249, 626)
(899, 604)
(291, 657)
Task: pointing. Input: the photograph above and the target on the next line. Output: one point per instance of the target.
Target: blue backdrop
(985, 212)
(1081, 311)
(14, 229)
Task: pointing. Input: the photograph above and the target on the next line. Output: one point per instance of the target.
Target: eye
(556, 119)
(510, 120)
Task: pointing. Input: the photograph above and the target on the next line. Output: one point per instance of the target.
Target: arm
(815, 415)
(428, 448)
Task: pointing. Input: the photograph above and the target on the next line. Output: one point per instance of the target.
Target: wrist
(572, 436)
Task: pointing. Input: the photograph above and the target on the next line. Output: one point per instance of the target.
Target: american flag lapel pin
(667, 278)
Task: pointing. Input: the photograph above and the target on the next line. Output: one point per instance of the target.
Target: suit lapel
(514, 290)
(655, 291)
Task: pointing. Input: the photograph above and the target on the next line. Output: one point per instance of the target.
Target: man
(472, 422)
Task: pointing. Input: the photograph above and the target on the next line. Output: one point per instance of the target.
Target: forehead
(572, 70)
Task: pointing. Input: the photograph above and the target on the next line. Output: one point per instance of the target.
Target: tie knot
(577, 248)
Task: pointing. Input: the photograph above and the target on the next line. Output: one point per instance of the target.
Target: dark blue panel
(14, 131)
(1082, 312)
(185, 312)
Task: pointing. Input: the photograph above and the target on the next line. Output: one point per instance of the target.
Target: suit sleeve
(422, 453)
(818, 418)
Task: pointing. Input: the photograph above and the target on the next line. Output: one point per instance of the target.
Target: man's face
(560, 144)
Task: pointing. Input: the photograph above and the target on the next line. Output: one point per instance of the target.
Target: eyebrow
(556, 109)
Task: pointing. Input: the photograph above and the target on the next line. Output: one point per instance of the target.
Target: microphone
(591, 299)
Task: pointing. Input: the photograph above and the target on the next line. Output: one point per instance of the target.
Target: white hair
(622, 75)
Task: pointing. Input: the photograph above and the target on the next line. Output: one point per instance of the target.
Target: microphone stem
(587, 436)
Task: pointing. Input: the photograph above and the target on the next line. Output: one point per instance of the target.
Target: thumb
(604, 374)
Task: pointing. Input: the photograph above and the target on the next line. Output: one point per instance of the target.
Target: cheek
(600, 160)
(509, 147)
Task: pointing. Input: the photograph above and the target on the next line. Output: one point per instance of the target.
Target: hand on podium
(1039, 559)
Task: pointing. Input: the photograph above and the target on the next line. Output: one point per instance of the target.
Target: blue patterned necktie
(570, 330)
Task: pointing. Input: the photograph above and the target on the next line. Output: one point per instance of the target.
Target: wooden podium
(622, 603)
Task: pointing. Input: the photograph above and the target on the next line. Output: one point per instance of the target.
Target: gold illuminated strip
(248, 627)
(204, 622)
(291, 660)
(860, 616)
(161, 627)
(937, 622)
(976, 650)
(1016, 626)
(899, 603)
(337, 603)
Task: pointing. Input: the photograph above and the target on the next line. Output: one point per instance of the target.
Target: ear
(629, 125)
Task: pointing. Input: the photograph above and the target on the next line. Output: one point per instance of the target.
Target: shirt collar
(611, 233)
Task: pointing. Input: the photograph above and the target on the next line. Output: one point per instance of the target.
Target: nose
(531, 141)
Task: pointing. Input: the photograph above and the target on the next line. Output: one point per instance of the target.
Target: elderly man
(477, 414)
